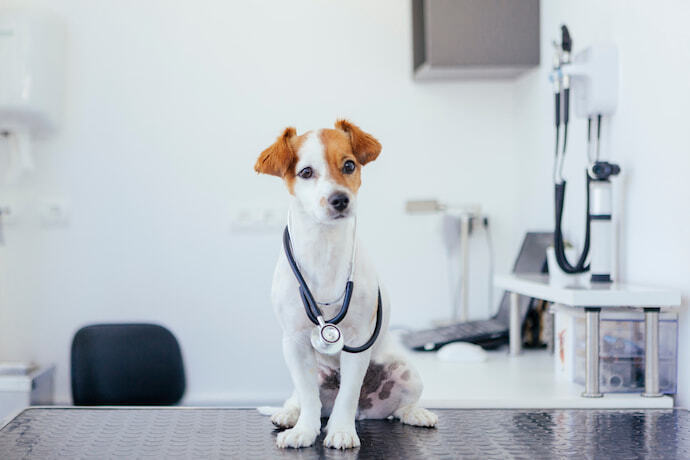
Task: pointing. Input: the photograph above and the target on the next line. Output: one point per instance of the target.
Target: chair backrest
(126, 364)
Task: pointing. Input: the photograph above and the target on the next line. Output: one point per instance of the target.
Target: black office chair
(126, 364)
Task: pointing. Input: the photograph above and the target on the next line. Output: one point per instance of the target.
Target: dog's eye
(306, 173)
(349, 167)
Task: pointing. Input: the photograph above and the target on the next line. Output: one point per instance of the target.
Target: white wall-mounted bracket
(594, 77)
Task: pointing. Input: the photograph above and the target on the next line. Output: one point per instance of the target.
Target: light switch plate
(54, 213)
(258, 219)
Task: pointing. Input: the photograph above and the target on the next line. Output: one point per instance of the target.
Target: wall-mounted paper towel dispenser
(31, 85)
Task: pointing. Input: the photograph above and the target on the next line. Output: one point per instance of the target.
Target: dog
(322, 172)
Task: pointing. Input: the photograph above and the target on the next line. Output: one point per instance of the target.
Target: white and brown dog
(322, 172)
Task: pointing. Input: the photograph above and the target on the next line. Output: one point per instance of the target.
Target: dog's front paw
(285, 418)
(297, 437)
(342, 439)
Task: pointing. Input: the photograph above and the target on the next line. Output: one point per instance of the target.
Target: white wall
(167, 106)
(648, 136)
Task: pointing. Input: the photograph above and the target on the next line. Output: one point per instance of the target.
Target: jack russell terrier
(322, 172)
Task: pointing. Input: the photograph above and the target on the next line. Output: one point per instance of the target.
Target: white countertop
(589, 294)
(525, 381)
(23, 382)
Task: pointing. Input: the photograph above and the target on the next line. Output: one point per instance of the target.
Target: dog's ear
(365, 147)
(279, 157)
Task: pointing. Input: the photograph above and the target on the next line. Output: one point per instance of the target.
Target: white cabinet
(19, 391)
(471, 39)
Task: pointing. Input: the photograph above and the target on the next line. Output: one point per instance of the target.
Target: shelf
(589, 294)
(526, 381)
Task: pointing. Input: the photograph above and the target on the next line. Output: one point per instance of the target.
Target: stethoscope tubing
(314, 312)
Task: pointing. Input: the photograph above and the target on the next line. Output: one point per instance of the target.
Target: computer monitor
(530, 260)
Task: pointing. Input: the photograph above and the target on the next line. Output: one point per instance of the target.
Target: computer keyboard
(471, 331)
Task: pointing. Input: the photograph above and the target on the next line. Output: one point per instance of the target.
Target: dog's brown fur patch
(365, 403)
(376, 374)
(346, 142)
(280, 158)
(330, 381)
(394, 365)
(337, 150)
(385, 392)
(365, 146)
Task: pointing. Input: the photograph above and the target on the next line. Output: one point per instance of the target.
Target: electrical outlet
(257, 219)
(54, 213)
(8, 214)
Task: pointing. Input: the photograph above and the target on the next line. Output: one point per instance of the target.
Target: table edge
(671, 297)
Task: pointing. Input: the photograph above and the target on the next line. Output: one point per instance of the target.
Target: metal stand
(603, 243)
(515, 333)
(651, 353)
(464, 248)
(592, 353)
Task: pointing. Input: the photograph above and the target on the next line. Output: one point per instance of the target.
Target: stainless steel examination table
(243, 433)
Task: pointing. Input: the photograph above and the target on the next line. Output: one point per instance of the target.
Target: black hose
(566, 108)
(566, 41)
(559, 244)
(559, 187)
(558, 110)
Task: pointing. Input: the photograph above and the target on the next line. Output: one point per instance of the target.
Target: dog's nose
(339, 201)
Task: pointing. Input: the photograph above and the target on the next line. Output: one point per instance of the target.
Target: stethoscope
(326, 337)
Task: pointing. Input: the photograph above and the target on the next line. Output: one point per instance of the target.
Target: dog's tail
(268, 410)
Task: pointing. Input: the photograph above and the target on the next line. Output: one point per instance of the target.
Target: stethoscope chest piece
(327, 339)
